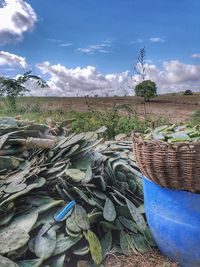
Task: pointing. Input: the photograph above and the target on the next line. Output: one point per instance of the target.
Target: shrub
(188, 92)
(146, 89)
(195, 118)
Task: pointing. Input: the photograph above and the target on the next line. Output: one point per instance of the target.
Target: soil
(177, 108)
(149, 259)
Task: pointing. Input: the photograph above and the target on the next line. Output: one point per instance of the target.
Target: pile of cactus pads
(44, 167)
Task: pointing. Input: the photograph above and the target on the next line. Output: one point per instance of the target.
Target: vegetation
(140, 66)
(105, 186)
(188, 92)
(118, 118)
(195, 119)
(11, 88)
(146, 89)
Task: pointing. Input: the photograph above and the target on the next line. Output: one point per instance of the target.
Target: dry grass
(149, 259)
(176, 107)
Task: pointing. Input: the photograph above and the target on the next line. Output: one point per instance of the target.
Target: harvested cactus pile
(173, 133)
(43, 168)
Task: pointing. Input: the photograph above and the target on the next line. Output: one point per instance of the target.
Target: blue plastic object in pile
(174, 220)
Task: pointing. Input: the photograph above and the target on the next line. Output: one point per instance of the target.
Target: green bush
(115, 122)
(146, 89)
(195, 118)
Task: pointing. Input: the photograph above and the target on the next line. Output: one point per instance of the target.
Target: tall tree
(140, 66)
(146, 88)
(11, 88)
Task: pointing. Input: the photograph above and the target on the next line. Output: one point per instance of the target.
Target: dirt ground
(150, 259)
(176, 107)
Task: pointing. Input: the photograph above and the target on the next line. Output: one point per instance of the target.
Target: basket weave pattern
(170, 166)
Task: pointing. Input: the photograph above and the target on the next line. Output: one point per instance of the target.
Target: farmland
(91, 113)
(174, 107)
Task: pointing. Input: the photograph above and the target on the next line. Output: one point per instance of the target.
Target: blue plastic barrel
(174, 220)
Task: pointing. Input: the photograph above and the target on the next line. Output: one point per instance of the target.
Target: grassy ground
(176, 107)
(119, 114)
(91, 113)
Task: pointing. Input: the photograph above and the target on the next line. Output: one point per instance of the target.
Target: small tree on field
(146, 89)
(11, 88)
(188, 92)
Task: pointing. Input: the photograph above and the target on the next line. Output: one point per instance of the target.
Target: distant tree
(11, 88)
(146, 89)
(188, 92)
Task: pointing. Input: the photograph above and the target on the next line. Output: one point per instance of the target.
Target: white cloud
(13, 60)
(65, 44)
(137, 41)
(102, 47)
(174, 76)
(53, 40)
(156, 40)
(83, 81)
(195, 56)
(16, 17)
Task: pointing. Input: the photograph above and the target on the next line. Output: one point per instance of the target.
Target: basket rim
(159, 143)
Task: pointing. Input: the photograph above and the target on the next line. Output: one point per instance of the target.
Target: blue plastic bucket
(174, 220)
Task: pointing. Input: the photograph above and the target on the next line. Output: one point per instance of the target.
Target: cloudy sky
(89, 47)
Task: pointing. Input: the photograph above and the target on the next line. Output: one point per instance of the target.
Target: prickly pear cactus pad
(43, 168)
(173, 133)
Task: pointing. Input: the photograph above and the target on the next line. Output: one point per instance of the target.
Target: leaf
(15, 195)
(44, 245)
(12, 239)
(5, 262)
(3, 139)
(129, 224)
(149, 238)
(71, 223)
(9, 163)
(140, 243)
(81, 250)
(70, 233)
(25, 222)
(30, 263)
(83, 263)
(106, 244)
(109, 212)
(88, 176)
(75, 174)
(137, 217)
(124, 244)
(13, 188)
(6, 219)
(108, 226)
(81, 217)
(94, 217)
(48, 206)
(57, 261)
(95, 246)
(84, 196)
(65, 243)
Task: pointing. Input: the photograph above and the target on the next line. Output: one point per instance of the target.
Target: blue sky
(62, 38)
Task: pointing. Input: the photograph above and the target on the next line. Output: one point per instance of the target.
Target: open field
(175, 107)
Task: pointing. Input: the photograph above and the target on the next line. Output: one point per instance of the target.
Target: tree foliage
(146, 89)
(11, 88)
(188, 92)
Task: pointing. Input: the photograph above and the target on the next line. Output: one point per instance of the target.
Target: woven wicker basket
(172, 166)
